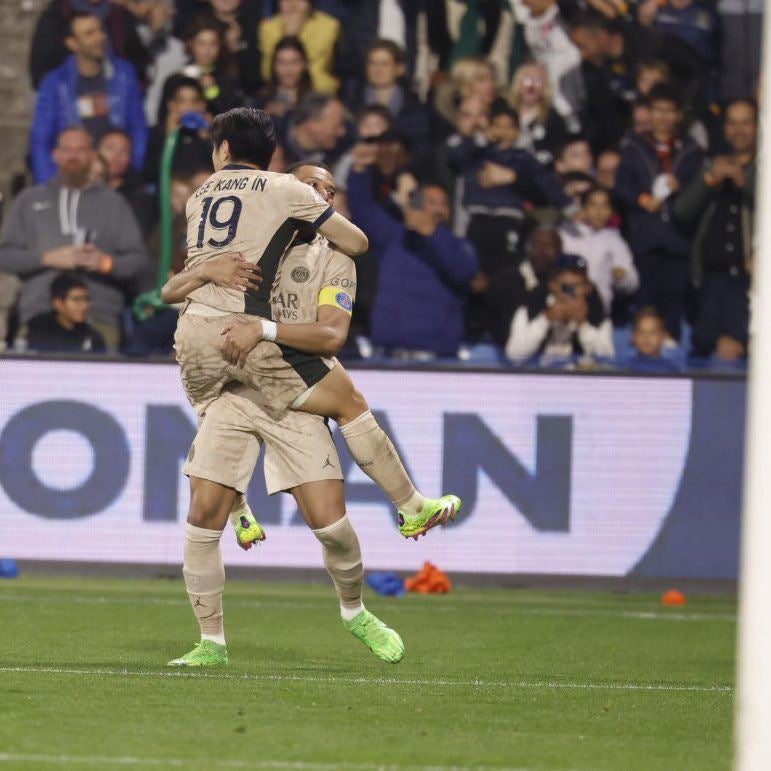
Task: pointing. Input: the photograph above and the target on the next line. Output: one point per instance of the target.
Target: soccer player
(317, 284)
(242, 208)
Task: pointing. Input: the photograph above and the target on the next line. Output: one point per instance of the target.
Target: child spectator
(183, 96)
(211, 65)
(499, 180)
(649, 336)
(608, 258)
(318, 33)
(541, 129)
(607, 166)
(290, 80)
(386, 85)
(65, 329)
(654, 167)
(650, 72)
(563, 322)
(575, 155)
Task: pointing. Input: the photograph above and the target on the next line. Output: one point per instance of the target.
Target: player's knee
(355, 405)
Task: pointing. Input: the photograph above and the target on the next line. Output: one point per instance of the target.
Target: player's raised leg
(204, 571)
(322, 504)
(336, 397)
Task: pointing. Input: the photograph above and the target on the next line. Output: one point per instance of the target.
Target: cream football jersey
(258, 213)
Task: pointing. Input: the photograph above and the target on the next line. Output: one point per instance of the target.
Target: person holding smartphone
(563, 322)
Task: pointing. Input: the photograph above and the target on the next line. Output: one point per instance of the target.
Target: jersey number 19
(210, 215)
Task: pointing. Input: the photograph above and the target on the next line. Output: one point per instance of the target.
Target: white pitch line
(657, 615)
(290, 765)
(521, 685)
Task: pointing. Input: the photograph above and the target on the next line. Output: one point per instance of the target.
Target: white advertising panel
(559, 474)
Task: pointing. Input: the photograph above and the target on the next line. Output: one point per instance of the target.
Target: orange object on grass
(673, 597)
(428, 580)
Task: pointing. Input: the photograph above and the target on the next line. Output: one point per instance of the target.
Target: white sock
(215, 638)
(349, 614)
(413, 504)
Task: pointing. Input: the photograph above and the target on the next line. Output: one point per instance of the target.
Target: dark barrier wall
(561, 474)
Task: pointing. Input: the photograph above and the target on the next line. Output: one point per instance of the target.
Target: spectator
(183, 97)
(50, 46)
(721, 203)
(741, 24)
(607, 166)
(65, 329)
(66, 224)
(470, 78)
(425, 271)
(211, 64)
(238, 20)
(575, 185)
(550, 44)
(685, 36)
(575, 155)
(654, 168)
(541, 129)
(115, 150)
(499, 180)
(641, 117)
(385, 85)
(604, 111)
(563, 322)
(10, 286)
(372, 123)
(608, 258)
(316, 130)
(417, 26)
(649, 336)
(290, 79)
(317, 31)
(517, 281)
(650, 73)
(91, 89)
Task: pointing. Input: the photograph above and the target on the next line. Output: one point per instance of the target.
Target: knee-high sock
(204, 575)
(342, 559)
(376, 456)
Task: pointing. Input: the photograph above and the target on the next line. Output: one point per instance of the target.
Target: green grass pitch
(491, 679)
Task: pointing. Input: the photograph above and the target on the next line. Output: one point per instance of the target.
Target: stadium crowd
(546, 183)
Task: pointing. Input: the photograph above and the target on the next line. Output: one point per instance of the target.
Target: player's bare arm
(348, 238)
(229, 270)
(324, 337)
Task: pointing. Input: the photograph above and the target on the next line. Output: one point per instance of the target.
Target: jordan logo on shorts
(328, 463)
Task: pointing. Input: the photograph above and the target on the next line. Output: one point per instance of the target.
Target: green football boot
(248, 530)
(435, 511)
(384, 642)
(204, 654)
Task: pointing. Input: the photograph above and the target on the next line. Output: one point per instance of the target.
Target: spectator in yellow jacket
(318, 32)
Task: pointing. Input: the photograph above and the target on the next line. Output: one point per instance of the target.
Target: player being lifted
(242, 208)
(301, 457)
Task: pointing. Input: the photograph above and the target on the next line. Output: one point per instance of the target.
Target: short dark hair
(589, 20)
(749, 102)
(375, 109)
(593, 190)
(383, 44)
(573, 139)
(249, 132)
(311, 106)
(77, 16)
(113, 131)
(501, 108)
(665, 92)
(647, 312)
(299, 164)
(64, 283)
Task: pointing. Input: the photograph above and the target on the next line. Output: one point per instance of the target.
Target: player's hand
(232, 271)
(364, 155)
(240, 338)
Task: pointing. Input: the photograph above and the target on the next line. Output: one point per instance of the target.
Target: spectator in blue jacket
(654, 167)
(92, 90)
(425, 272)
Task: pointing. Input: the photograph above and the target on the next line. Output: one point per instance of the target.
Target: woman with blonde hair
(542, 130)
(470, 77)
